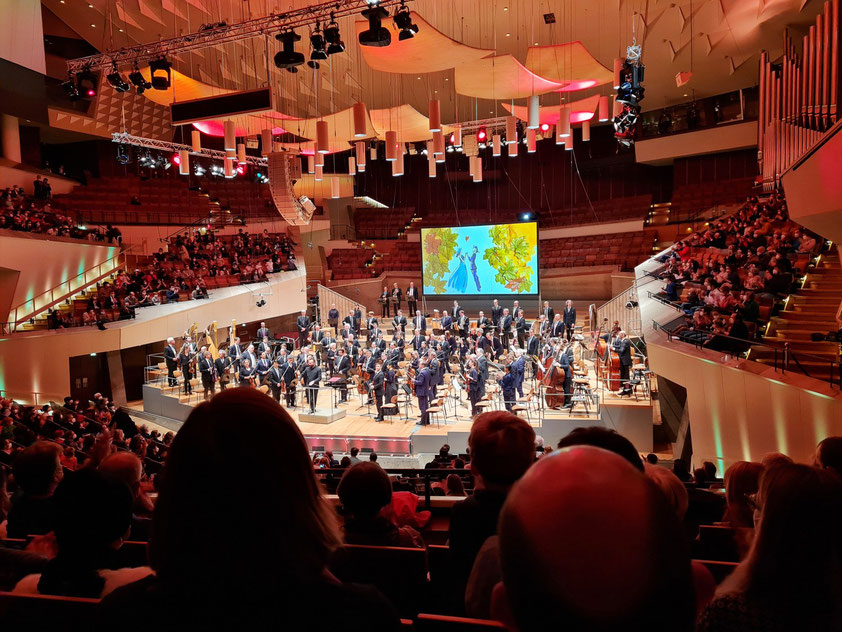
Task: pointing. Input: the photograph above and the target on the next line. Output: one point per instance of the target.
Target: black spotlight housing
(86, 84)
(139, 81)
(403, 20)
(161, 71)
(317, 41)
(70, 88)
(123, 155)
(116, 80)
(376, 35)
(288, 57)
(333, 38)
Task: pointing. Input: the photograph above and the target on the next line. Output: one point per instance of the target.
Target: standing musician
(520, 328)
(436, 372)
(411, 297)
(234, 352)
(247, 373)
(622, 347)
(348, 322)
(185, 365)
(264, 346)
(563, 361)
(456, 309)
(505, 328)
(519, 370)
(420, 323)
(311, 378)
(333, 316)
(548, 312)
(223, 367)
(557, 328)
(288, 377)
(483, 323)
(422, 392)
(515, 309)
(384, 302)
(569, 319)
(274, 379)
(206, 368)
(396, 297)
(371, 323)
(317, 337)
(464, 324)
(358, 320)
(262, 367)
(507, 385)
(399, 322)
(533, 348)
(342, 368)
(263, 332)
(446, 321)
(472, 377)
(171, 358)
(377, 386)
(399, 340)
(303, 323)
(249, 355)
(391, 382)
(482, 368)
(496, 313)
(393, 356)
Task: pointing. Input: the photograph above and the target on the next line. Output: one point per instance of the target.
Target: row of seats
(694, 198)
(378, 223)
(619, 249)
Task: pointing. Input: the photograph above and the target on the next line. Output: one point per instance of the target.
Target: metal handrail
(33, 306)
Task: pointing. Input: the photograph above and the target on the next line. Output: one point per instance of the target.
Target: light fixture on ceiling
(86, 83)
(138, 80)
(161, 73)
(288, 58)
(317, 41)
(403, 20)
(116, 80)
(333, 38)
(70, 88)
(376, 34)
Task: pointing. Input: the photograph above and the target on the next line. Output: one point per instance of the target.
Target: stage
(353, 423)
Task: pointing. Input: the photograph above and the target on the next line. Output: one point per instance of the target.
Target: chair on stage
(437, 409)
(390, 408)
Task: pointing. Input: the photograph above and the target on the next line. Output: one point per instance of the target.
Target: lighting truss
(125, 138)
(266, 25)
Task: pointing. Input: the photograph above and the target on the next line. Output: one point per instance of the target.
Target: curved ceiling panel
(429, 50)
(340, 126)
(500, 77)
(569, 64)
(409, 123)
(582, 110)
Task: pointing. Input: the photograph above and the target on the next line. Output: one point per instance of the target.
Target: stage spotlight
(526, 216)
(241, 169)
(176, 159)
(403, 20)
(545, 127)
(288, 58)
(138, 80)
(161, 71)
(482, 135)
(86, 83)
(333, 38)
(123, 156)
(116, 81)
(71, 89)
(317, 41)
(376, 35)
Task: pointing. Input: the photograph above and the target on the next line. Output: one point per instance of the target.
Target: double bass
(553, 381)
(607, 365)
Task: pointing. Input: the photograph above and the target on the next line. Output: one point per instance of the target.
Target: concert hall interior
(419, 309)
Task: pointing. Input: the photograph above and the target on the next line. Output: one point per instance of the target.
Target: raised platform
(322, 416)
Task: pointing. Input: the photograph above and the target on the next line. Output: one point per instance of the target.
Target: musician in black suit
(288, 377)
(505, 328)
(446, 321)
(456, 309)
(342, 368)
(312, 376)
(349, 320)
(185, 365)
(171, 358)
(396, 296)
(569, 318)
(557, 328)
(472, 377)
(371, 323)
(420, 323)
(399, 321)
(520, 328)
(622, 347)
(206, 369)
(378, 382)
(496, 313)
(411, 297)
(303, 324)
(548, 311)
(483, 323)
(317, 337)
(263, 332)
(234, 353)
(384, 302)
(358, 320)
(274, 380)
(464, 324)
(223, 363)
(333, 316)
(264, 346)
(482, 368)
(532, 349)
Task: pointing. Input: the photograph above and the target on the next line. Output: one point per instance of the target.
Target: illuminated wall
(22, 34)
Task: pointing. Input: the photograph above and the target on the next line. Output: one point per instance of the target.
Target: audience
(37, 471)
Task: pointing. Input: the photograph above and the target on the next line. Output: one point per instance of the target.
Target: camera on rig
(831, 336)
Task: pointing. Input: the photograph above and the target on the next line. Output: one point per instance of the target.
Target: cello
(553, 381)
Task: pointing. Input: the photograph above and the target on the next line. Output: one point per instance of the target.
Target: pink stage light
(176, 159)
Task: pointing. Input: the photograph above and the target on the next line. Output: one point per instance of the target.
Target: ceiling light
(317, 41)
(508, 34)
(376, 35)
(313, 64)
(138, 80)
(160, 73)
(93, 26)
(86, 83)
(403, 20)
(116, 80)
(71, 88)
(288, 57)
(333, 38)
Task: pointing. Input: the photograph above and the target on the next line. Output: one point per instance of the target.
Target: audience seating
(378, 223)
(442, 623)
(625, 250)
(716, 543)
(692, 199)
(350, 263)
(39, 612)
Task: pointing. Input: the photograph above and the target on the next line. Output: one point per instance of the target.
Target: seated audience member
(453, 486)
(742, 479)
(621, 564)
(829, 455)
(680, 469)
(365, 489)
(606, 439)
(92, 518)
(792, 577)
(502, 448)
(262, 562)
(710, 472)
(128, 469)
(37, 471)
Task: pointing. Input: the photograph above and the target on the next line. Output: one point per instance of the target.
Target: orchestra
(451, 355)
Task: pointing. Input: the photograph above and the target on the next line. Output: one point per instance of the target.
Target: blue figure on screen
(473, 259)
(459, 279)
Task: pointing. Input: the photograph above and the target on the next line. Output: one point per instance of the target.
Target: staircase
(812, 310)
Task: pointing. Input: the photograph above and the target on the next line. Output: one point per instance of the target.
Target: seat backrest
(442, 623)
(45, 612)
(717, 543)
(399, 573)
(719, 570)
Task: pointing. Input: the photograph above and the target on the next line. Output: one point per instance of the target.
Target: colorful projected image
(490, 259)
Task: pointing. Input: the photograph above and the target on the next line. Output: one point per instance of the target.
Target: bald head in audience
(588, 542)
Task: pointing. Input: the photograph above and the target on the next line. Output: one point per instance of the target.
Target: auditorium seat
(719, 570)
(625, 250)
(442, 623)
(717, 543)
(379, 223)
(42, 612)
(400, 573)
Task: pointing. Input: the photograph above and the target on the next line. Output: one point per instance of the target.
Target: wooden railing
(329, 298)
(799, 97)
(622, 308)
